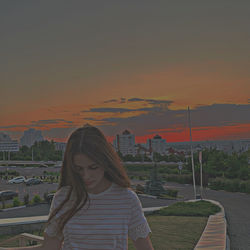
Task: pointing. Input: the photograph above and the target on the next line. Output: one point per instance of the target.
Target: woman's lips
(88, 183)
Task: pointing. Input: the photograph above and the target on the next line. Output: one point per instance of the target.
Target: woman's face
(92, 174)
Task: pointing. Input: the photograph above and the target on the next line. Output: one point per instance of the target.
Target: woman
(94, 207)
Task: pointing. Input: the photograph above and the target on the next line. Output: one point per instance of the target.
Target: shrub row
(179, 178)
(231, 185)
(199, 208)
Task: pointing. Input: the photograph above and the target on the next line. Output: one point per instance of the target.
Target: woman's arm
(49, 243)
(143, 244)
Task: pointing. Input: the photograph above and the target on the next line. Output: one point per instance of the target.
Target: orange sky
(58, 73)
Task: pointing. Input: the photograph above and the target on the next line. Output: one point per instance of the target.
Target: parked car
(7, 195)
(50, 197)
(19, 179)
(32, 181)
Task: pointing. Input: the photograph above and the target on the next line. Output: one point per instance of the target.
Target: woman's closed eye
(79, 169)
(93, 167)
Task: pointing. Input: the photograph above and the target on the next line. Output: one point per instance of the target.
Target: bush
(172, 192)
(179, 178)
(36, 199)
(231, 185)
(16, 202)
(45, 196)
(198, 208)
(26, 199)
(217, 183)
(140, 188)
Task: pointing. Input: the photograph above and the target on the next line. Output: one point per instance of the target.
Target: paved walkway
(214, 234)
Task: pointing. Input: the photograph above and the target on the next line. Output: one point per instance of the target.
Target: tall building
(60, 146)
(7, 144)
(30, 136)
(157, 144)
(125, 143)
(4, 137)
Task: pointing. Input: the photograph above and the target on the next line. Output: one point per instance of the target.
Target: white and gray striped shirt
(111, 217)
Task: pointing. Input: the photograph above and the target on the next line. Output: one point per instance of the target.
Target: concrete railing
(22, 240)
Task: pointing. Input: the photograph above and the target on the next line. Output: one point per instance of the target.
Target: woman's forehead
(82, 160)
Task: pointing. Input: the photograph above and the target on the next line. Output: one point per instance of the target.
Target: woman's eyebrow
(93, 164)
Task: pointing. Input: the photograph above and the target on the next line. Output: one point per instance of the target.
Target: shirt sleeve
(138, 226)
(52, 228)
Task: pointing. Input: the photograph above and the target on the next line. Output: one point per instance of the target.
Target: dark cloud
(123, 110)
(150, 101)
(157, 106)
(136, 100)
(203, 116)
(37, 124)
(92, 119)
(109, 110)
(122, 100)
(221, 115)
(112, 100)
(14, 126)
(51, 121)
(156, 119)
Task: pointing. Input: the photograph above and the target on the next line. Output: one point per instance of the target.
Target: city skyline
(67, 64)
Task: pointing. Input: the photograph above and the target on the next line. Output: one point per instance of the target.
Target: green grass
(174, 232)
(198, 208)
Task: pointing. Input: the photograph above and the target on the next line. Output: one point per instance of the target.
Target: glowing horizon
(63, 69)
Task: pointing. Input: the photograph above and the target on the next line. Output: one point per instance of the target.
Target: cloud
(110, 101)
(108, 110)
(152, 106)
(121, 100)
(51, 121)
(41, 124)
(158, 116)
(150, 101)
(14, 126)
(217, 115)
(120, 110)
(135, 100)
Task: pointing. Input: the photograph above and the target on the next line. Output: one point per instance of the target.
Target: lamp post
(192, 154)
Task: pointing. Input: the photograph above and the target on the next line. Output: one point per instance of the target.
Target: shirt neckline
(104, 192)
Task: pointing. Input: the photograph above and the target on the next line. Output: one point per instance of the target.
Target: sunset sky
(119, 65)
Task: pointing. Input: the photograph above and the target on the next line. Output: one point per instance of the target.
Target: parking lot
(32, 190)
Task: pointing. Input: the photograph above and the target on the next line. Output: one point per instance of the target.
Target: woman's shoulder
(128, 191)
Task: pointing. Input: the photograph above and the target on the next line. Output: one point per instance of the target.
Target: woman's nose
(85, 173)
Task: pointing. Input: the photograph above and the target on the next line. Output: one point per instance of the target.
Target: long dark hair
(90, 141)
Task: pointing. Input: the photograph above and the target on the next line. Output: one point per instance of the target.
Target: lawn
(174, 232)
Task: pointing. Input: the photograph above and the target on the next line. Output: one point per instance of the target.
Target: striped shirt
(103, 223)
